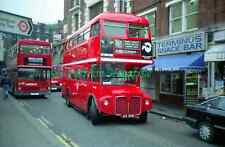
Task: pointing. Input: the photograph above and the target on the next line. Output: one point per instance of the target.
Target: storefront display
(192, 88)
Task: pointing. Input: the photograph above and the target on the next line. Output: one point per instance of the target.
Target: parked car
(56, 84)
(208, 117)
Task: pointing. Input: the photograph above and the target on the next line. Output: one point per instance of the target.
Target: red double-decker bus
(101, 67)
(29, 65)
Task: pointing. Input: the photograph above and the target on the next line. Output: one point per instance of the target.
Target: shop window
(165, 84)
(220, 77)
(183, 16)
(172, 83)
(177, 83)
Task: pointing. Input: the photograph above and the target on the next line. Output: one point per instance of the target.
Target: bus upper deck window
(95, 29)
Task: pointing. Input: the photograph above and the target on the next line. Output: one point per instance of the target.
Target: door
(73, 86)
(83, 88)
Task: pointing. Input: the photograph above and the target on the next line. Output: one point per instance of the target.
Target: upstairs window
(183, 16)
(123, 6)
(95, 29)
(152, 22)
(150, 15)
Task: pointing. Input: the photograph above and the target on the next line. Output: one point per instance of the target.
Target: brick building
(79, 12)
(189, 38)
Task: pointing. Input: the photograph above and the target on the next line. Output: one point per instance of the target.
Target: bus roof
(118, 17)
(32, 42)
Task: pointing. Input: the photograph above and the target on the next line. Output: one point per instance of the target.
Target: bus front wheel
(143, 117)
(93, 113)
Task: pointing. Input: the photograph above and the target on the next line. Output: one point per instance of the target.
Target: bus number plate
(128, 116)
(34, 93)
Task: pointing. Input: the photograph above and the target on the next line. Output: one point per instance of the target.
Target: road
(75, 130)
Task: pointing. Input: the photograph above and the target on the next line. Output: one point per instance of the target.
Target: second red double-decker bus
(29, 64)
(101, 67)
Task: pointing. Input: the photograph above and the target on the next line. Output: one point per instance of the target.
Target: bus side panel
(94, 47)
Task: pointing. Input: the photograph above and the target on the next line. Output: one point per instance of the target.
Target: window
(77, 74)
(216, 103)
(112, 29)
(33, 74)
(83, 74)
(183, 16)
(172, 83)
(35, 49)
(165, 83)
(76, 22)
(86, 34)
(138, 31)
(95, 9)
(76, 2)
(221, 104)
(95, 72)
(152, 22)
(81, 38)
(118, 74)
(123, 6)
(95, 29)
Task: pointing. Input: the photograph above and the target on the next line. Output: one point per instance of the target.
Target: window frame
(94, 26)
(183, 16)
(151, 25)
(171, 86)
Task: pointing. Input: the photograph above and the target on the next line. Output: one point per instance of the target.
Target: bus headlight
(147, 102)
(105, 102)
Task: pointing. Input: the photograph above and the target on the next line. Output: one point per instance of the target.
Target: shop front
(181, 68)
(215, 57)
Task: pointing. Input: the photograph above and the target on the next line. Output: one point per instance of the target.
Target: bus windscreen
(35, 49)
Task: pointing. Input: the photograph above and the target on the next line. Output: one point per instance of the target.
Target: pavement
(168, 111)
(19, 129)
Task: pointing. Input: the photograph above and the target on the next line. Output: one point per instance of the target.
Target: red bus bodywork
(102, 49)
(29, 63)
(56, 78)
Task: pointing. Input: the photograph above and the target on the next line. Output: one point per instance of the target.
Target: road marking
(25, 104)
(43, 123)
(46, 121)
(63, 138)
(69, 141)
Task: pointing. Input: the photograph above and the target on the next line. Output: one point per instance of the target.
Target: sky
(44, 11)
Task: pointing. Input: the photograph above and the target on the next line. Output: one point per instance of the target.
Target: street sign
(12, 23)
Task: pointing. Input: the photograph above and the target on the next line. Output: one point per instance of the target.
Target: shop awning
(179, 62)
(215, 53)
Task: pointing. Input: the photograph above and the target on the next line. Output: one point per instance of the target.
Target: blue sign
(181, 44)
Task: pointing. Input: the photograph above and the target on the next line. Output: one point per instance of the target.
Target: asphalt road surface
(75, 130)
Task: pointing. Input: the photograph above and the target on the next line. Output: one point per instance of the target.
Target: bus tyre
(206, 132)
(143, 117)
(93, 113)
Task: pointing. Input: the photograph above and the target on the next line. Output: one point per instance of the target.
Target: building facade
(79, 12)
(189, 37)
